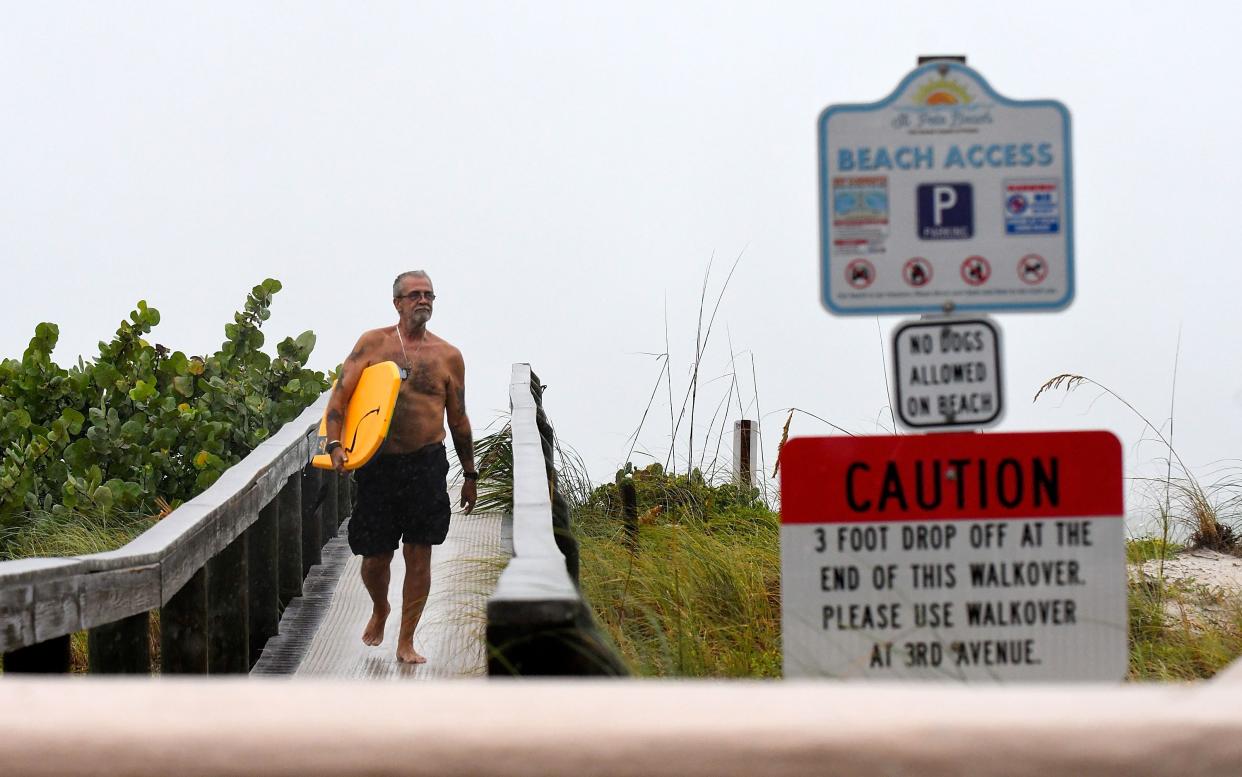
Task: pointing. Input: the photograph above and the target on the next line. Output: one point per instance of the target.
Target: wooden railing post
(327, 508)
(51, 656)
(290, 572)
(122, 647)
(263, 562)
(629, 511)
(312, 527)
(183, 628)
(343, 492)
(228, 619)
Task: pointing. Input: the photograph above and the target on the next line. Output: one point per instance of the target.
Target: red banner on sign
(948, 476)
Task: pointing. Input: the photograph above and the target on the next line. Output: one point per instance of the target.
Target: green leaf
(79, 454)
(178, 364)
(73, 420)
(142, 391)
(102, 496)
(18, 418)
(184, 385)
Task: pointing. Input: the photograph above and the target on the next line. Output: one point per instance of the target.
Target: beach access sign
(946, 192)
(968, 557)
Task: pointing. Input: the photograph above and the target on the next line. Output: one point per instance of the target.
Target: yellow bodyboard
(367, 418)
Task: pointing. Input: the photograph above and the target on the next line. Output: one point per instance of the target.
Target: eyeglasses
(415, 296)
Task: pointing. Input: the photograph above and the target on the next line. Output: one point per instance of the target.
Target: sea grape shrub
(141, 422)
(675, 497)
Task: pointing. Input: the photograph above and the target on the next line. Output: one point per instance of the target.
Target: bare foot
(407, 655)
(374, 632)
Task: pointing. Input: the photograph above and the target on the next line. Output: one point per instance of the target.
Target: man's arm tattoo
(461, 399)
(463, 443)
(334, 416)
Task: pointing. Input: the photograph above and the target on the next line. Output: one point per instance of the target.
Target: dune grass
(1180, 631)
(78, 533)
(699, 594)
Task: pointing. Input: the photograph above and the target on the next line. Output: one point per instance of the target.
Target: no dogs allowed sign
(994, 557)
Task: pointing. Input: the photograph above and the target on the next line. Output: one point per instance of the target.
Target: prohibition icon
(917, 272)
(1032, 269)
(976, 270)
(860, 273)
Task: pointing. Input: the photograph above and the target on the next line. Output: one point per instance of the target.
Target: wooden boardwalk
(321, 631)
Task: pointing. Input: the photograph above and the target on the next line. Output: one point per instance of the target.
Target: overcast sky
(566, 171)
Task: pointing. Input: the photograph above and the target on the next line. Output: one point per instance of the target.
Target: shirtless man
(401, 492)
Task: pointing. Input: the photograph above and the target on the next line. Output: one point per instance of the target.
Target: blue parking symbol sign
(946, 211)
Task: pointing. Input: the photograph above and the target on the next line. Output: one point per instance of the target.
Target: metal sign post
(945, 192)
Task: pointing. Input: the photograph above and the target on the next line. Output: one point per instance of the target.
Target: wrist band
(332, 445)
(470, 475)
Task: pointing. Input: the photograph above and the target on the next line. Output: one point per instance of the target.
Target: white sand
(1205, 567)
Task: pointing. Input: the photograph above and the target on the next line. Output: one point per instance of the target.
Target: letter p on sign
(945, 211)
(943, 198)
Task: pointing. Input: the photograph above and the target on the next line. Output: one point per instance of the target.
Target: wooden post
(629, 512)
(327, 508)
(183, 628)
(123, 647)
(228, 618)
(743, 455)
(290, 565)
(263, 563)
(343, 504)
(51, 656)
(312, 528)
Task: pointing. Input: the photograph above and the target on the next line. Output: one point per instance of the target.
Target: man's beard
(419, 318)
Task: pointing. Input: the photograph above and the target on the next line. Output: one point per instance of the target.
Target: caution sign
(967, 557)
(948, 373)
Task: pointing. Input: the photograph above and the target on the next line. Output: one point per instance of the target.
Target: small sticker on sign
(1032, 207)
(859, 214)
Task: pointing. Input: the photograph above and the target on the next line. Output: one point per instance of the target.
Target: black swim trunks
(401, 496)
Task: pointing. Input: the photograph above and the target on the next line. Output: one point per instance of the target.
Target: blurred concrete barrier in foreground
(104, 726)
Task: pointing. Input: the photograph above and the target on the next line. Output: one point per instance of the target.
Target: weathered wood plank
(312, 527)
(290, 571)
(343, 501)
(181, 564)
(218, 529)
(183, 628)
(327, 508)
(228, 616)
(263, 563)
(122, 647)
(57, 608)
(16, 617)
(31, 570)
(110, 596)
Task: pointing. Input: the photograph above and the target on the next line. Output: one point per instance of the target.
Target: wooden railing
(219, 569)
(537, 620)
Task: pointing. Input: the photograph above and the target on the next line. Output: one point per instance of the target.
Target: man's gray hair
(396, 284)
